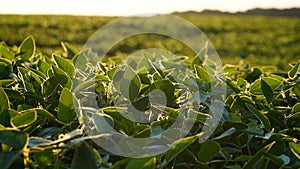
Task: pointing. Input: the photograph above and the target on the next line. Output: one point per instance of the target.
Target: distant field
(256, 40)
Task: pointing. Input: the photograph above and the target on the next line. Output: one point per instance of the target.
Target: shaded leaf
(145, 163)
(17, 139)
(261, 117)
(84, 158)
(208, 150)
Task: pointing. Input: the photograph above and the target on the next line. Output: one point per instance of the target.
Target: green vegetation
(260, 126)
(256, 40)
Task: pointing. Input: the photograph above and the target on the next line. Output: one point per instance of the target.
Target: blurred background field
(245, 39)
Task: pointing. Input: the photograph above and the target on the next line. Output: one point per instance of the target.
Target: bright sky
(133, 7)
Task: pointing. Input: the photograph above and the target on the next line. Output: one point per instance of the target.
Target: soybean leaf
(293, 120)
(27, 48)
(84, 158)
(66, 112)
(257, 156)
(70, 49)
(6, 53)
(164, 86)
(49, 86)
(65, 65)
(62, 78)
(296, 108)
(17, 139)
(24, 118)
(295, 148)
(293, 72)
(255, 87)
(267, 91)
(145, 163)
(208, 150)
(44, 158)
(4, 106)
(202, 73)
(179, 146)
(261, 117)
(7, 158)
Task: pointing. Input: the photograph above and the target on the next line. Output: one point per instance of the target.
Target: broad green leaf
(267, 91)
(145, 163)
(27, 48)
(293, 120)
(66, 112)
(45, 113)
(17, 139)
(84, 158)
(255, 87)
(4, 106)
(84, 86)
(166, 87)
(261, 117)
(202, 73)
(62, 78)
(295, 148)
(296, 108)
(44, 158)
(255, 158)
(5, 69)
(49, 86)
(127, 83)
(24, 118)
(179, 146)
(293, 72)
(4, 102)
(43, 66)
(6, 53)
(208, 150)
(65, 65)
(7, 158)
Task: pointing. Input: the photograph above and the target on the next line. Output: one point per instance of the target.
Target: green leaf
(4, 106)
(66, 112)
(293, 72)
(295, 148)
(44, 158)
(24, 118)
(49, 86)
(7, 158)
(4, 51)
(202, 73)
(62, 78)
(296, 108)
(267, 91)
(70, 49)
(145, 163)
(27, 48)
(179, 146)
(255, 87)
(84, 158)
(261, 117)
(252, 161)
(4, 102)
(293, 120)
(65, 65)
(17, 139)
(233, 86)
(164, 86)
(208, 150)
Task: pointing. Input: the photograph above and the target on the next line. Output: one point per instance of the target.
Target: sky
(134, 7)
